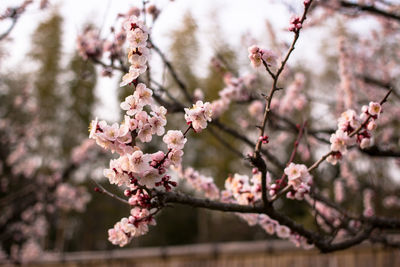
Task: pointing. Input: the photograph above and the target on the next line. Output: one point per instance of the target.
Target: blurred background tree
(61, 100)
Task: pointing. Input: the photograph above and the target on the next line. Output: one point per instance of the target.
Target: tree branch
(370, 9)
(174, 74)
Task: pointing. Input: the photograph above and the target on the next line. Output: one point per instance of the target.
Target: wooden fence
(260, 253)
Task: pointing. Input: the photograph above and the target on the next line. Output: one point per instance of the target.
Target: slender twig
(225, 143)
(122, 68)
(356, 131)
(291, 158)
(318, 162)
(275, 78)
(102, 190)
(7, 32)
(370, 116)
(370, 9)
(379, 83)
(295, 145)
(174, 74)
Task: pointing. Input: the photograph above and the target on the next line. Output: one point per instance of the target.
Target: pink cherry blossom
(145, 133)
(198, 115)
(174, 139)
(297, 174)
(130, 76)
(143, 94)
(339, 141)
(140, 162)
(374, 108)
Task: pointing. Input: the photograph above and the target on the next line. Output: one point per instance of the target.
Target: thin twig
(356, 131)
(104, 191)
(174, 74)
(275, 78)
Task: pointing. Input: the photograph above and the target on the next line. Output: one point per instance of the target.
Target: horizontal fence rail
(256, 253)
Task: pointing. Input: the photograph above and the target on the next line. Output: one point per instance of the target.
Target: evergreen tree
(81, 101)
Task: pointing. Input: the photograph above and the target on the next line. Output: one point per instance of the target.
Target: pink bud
(132, 201)
(127, 192)
(371, 125)
(158, 156)
(253, 49)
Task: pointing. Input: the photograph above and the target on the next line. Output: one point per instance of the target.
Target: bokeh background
(49, 94)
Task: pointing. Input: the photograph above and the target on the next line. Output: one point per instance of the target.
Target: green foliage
(46, 52)
(184, 51)
(82, 99)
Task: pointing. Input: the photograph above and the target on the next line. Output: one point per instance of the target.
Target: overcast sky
(235, 18)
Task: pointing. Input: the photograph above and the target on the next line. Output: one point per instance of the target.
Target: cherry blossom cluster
(17, 11)
(82, 152)
(201, 183)
(339, 192)
(140, 172)
(137, 35)
(236, 89)
(138, 168)
(33, 227)
(198, 115)
(369, 211)
(26, 164)
(299, 179)
(137, 123)
(325, 213)
(294, 99)
(29, 251)
(295, 24)
(89, 43)
(136, 225)
(348, 123)
(137, 171)
(243, 190)
(271, 227)
(391, 201)
(259, 55)
(22, 163)
(256, 109)
(71, 198)
(131, 30)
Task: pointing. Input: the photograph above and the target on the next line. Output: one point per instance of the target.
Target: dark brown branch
(376, 221)
(379, 83)
(324, 157)
(171, 69)
(172, 197)
(319, 241)
(224, 143)
(122, 68)
(362, 236)
(247, 141)
(7, 32)
(378, 152)
(102, 190)
(382, 222)
(370, 9)
(275, 78)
